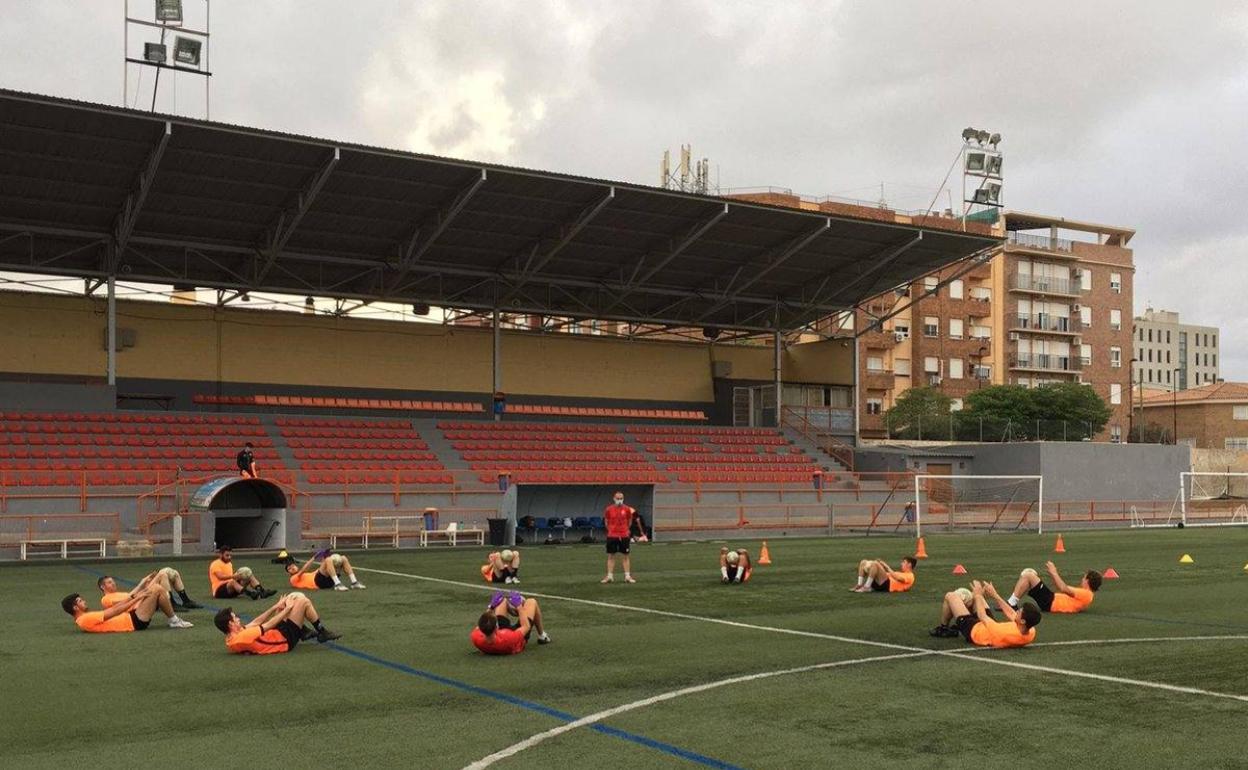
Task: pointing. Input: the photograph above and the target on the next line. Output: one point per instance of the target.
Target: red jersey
(504, 641)
(619, 520)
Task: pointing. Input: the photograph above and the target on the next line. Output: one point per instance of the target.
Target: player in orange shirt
(326, 575)
(978, 627)
(228, 581)
(876, 575)
(1066, 600)
(166, 577)
(131, 614)
(498, 634)
(277, 629)
(502, 566)
(734, 565)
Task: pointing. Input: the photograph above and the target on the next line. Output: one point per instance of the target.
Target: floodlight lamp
(710, 332)
(968, 134)
(993, 166)
(186, 51)
(994, 192)
(980, 196)
(994, 140)
(156, 53)
(975, 161)
(420, 308)
(169, 11)
(982, 137)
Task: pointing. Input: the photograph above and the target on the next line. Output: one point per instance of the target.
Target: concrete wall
(55, 396)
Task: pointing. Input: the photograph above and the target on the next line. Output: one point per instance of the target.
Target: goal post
(986, 503)
(1213, 499)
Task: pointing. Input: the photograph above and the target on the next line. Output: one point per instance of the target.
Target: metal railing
(1045, 285)
(1044, 322)
(820, 432)
(1047, 362)
(1027, 240)
(957, 426)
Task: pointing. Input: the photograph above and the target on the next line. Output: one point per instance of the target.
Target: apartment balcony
(1040, 244)
(870, 422)
(878, 379)
(1058, 287)
(881, 304)
(1043, 323)
(979, 307)
(881, 340)
(1045, 362)
(971, 347)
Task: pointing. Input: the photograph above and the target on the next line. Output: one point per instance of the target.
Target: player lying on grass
(325, 576)
(131, 614)
(502, 566)
(977, 626)
(1065, 600)
(504, 628)
(166, 577)
(277, 629)
(876, 575)
(228, 582)
(734, 565)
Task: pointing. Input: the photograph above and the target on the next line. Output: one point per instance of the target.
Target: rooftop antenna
(690, 175)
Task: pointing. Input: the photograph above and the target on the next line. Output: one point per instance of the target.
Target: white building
(1170, 355)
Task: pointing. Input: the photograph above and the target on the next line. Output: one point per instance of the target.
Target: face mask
(619, 501)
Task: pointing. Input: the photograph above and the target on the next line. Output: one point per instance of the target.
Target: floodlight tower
(981, 163)
(190, 47)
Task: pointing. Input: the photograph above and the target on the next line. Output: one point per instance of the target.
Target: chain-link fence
(965, 427)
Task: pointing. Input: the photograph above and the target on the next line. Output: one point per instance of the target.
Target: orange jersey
(219, 567)
(252, 641)
(1077, 603)
(487, 572)
(304, 580)
(993, 633)
(504, 641)
(900, 581)
(94, 622)
(116, 597)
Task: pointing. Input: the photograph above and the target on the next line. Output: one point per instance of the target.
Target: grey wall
(56, 397)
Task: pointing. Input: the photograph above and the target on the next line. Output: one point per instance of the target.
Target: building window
(1115, 393)
(1167, 356)
(1085, 355)
(1085, 316)
(955, 289)
(1115, 283)
(931, 365)
(1115, 319)
(1115, 434)
(1087, 279)
(875, 364)
(901, 366)
(1150, 375)
(902, 329)
(955, 328)
(983, 372)
(1240, 443)
(955, 368)
(874, 405)
(931, 326)
(1215, 340)
(1168, 373)
(1215, 359)
(1115, 358)
(1150, 355)
(929, 282)
(1150, 335)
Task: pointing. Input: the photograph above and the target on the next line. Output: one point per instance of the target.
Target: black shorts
(619, 545)
(292, 632)
(1042, 596)
(884, 587)
(224, 591)
(732, 573)
(139, 625)
(323, 581)
(964, 624)
(496, 577)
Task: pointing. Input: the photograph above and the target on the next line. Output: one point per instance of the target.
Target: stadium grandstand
(116, 413)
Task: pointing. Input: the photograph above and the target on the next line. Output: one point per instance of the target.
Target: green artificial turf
(400, 689)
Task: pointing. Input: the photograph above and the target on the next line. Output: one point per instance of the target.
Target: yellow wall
(48, 334)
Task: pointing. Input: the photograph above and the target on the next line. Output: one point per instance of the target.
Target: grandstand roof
(1214, 392)
(92, 190)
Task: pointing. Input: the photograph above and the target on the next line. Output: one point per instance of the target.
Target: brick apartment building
(1053, 305)
(1213, 416)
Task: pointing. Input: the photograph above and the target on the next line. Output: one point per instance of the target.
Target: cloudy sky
(1129, 113)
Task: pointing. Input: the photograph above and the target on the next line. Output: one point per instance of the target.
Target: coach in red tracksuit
(619, 518)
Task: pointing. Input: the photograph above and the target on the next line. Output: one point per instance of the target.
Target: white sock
(862, 580)
(353, 580)
(723, 572)
(1012, 601)
(337, 582)
(627, 575)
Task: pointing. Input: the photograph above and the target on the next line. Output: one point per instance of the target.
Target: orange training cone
(1060, 547)
(1110, 574)
(921, 551)
(764, 556)
(959, 570)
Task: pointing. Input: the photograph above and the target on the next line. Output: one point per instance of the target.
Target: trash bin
(431, 519)
(498, 531)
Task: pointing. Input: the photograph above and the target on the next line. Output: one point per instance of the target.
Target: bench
(64, 543)
(452, 533)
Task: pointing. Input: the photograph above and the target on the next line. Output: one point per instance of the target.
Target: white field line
(585, 721)
(991, 659)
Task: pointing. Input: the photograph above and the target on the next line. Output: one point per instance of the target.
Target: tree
(918, 407)
(1058, 411)
(1074, 403)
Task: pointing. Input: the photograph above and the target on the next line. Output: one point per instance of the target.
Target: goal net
(1213, 499)
(984, 503)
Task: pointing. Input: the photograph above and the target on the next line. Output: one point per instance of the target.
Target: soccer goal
(985, 503)
(1211, 499)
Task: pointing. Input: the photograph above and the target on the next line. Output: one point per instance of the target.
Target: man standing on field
(619, 519)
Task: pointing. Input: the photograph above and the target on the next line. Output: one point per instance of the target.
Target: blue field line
(503, 697)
